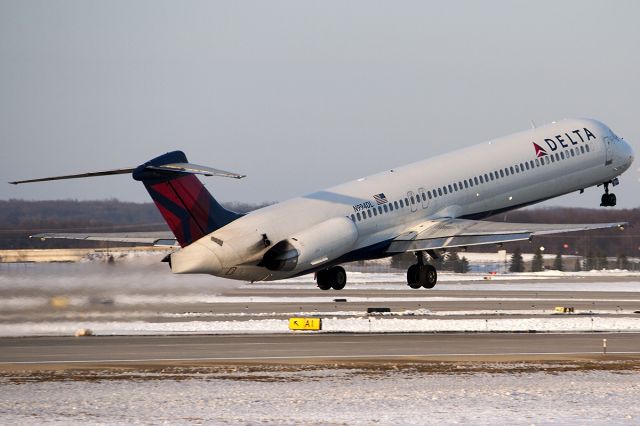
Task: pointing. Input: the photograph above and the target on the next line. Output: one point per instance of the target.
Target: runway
(201, 350)
(143, 315)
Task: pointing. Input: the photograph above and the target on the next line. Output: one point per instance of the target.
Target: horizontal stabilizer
(195, 169)
(173, 167)
(79, 175)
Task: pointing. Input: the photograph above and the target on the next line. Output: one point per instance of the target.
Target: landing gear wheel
(322, 278)
(421, 276)
(413, 278)
(338, 277)
(607, 200)
(429, 277)
(335, 278)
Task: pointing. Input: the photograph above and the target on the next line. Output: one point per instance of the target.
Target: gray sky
(299, 95)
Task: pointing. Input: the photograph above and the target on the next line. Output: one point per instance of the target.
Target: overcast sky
(299, 95)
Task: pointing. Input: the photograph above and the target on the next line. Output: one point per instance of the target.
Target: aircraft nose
(625, 153)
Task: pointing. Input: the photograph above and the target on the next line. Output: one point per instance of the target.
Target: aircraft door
(414, 205)
(425, 199)
(608, 147)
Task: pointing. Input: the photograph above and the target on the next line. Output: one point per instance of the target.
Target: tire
(413, 276)
(338, 277)
(612, 200)
(323, 280)
(430, 277)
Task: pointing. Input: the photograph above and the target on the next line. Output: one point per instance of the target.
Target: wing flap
(160, 239)
(449, 233)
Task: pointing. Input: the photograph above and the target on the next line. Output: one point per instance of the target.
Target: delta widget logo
(540, 152)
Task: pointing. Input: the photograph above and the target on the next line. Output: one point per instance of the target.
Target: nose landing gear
(608, 199)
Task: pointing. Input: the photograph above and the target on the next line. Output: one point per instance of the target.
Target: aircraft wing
(164, 239)
(449, 233)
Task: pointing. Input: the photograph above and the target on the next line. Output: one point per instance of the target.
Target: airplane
(426, 207)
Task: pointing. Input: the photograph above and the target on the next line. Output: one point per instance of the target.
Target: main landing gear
(608, 200)
(421, 274)
(335, 278)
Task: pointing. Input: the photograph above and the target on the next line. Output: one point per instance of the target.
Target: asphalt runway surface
(78, 293)
(66, 352)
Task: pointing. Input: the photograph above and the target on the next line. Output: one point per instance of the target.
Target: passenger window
(401, 204)
(512, 171)
(386, 210)
(353, 218)
(537, 162)
(466, 184)
(379, 209)
(444, 189)
(450, 189)
(582, 149)
(501, 173)
(486, 177)
(491, 175)
(481, 180)
(390, 207)
(413, 201)
(429, 194)
(395, 204)
(424, 197)
(369, 214)
(375, 212)
(531, 164)
(517, 169)
(562, 155)
(358, 216)
(440, 192)
(455, 186)
(587, 148)
(406, 202)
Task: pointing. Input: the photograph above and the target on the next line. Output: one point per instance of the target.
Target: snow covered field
(311, 396)
(140, 296)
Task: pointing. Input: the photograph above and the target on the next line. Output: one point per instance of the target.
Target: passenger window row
(507, 171)
(470, 183)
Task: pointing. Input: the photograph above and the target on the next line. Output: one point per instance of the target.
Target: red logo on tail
(540, 152)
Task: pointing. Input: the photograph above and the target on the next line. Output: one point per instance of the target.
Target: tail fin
(186, 205)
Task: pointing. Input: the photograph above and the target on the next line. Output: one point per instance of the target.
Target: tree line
(21, 218)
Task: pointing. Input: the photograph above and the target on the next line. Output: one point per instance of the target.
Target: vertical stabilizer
(188, 208)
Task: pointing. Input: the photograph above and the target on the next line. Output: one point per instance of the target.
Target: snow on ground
(330, 396)
(335, 325)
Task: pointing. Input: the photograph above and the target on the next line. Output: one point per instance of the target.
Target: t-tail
(188, 208)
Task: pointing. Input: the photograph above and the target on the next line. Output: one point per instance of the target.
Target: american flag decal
(380, 198)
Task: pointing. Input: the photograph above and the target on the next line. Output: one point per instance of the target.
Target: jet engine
(313, 246)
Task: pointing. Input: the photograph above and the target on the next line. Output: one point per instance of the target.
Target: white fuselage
(358, 216)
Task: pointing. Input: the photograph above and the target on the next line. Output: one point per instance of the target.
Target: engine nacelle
(313, 246)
